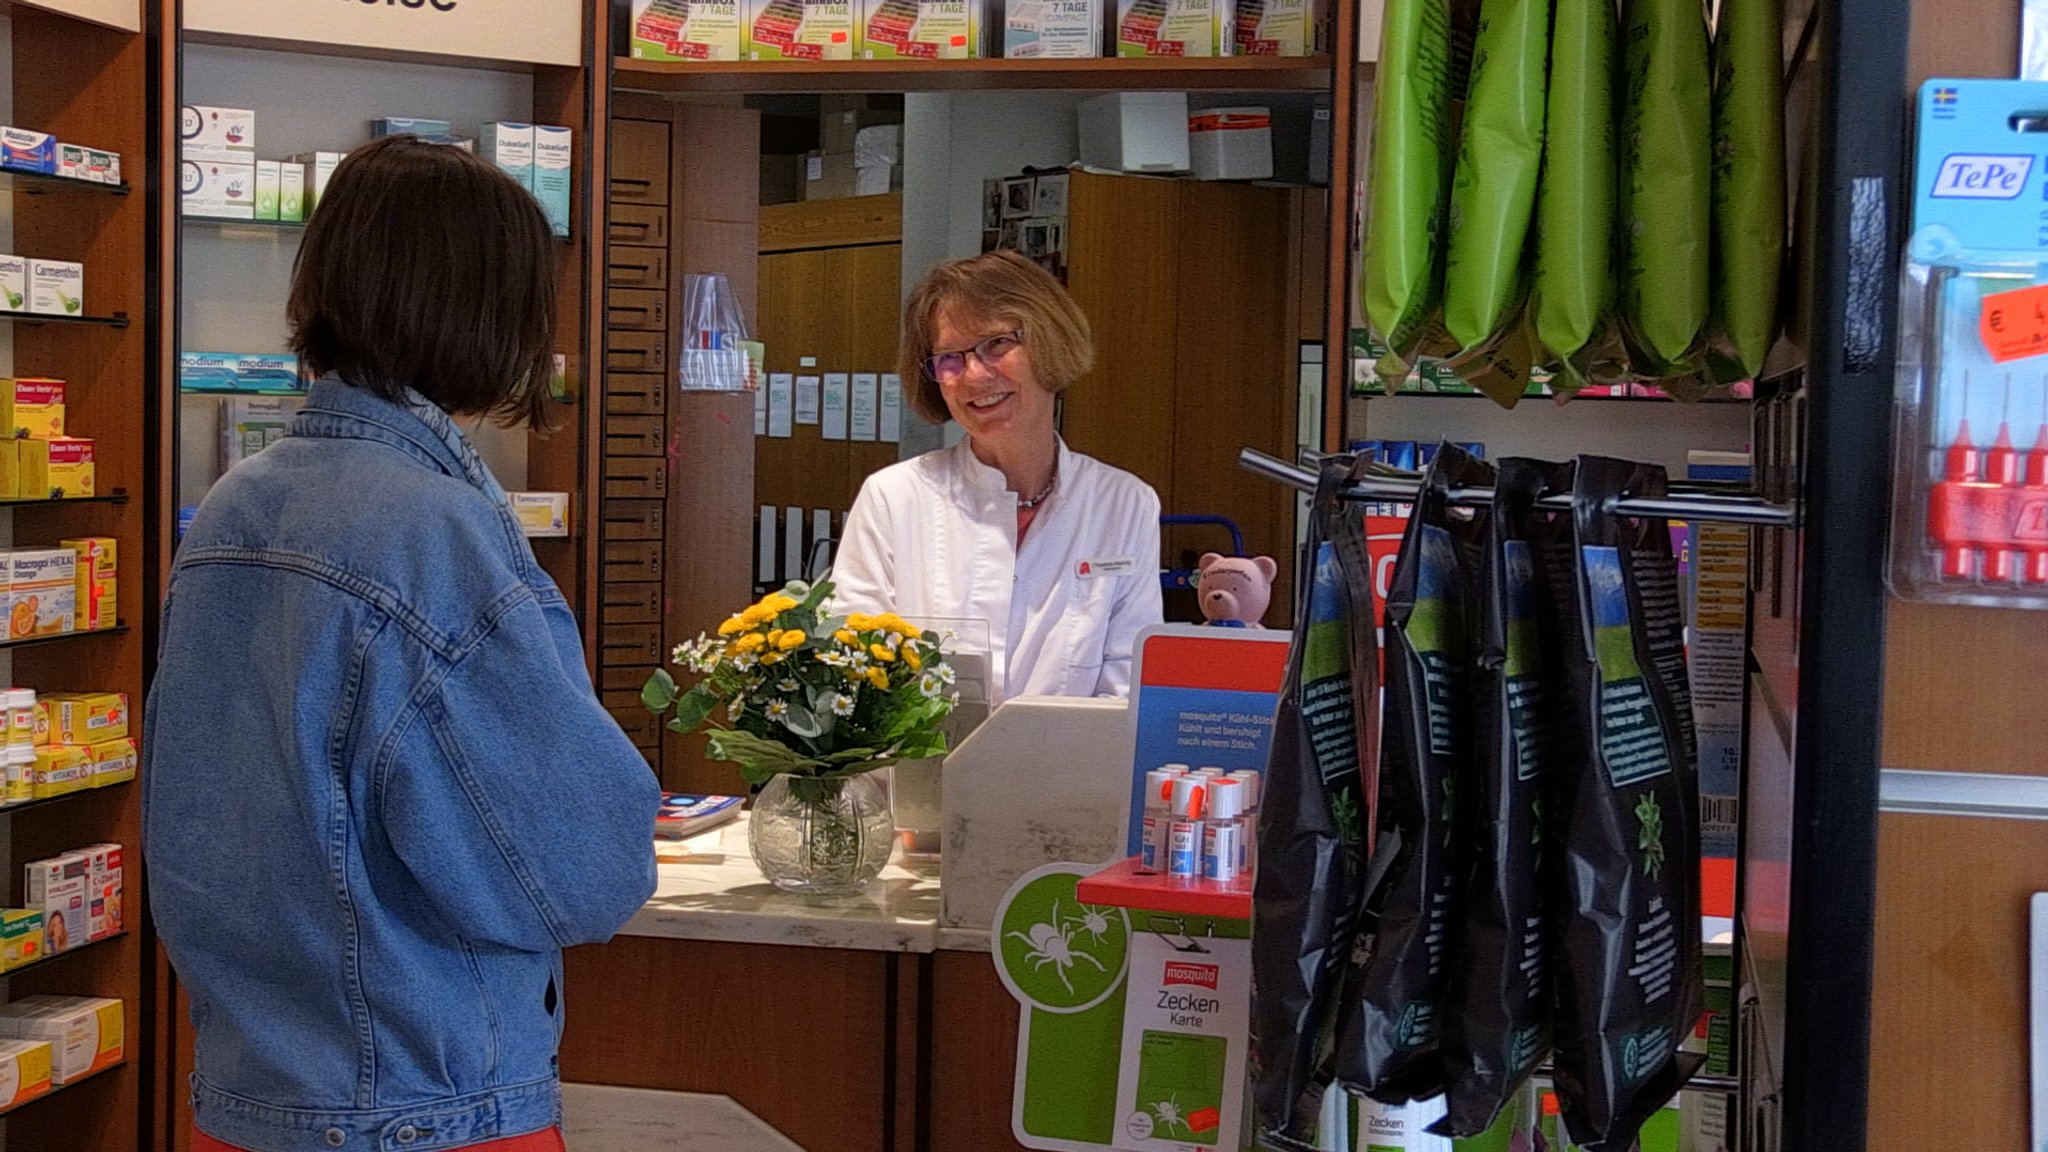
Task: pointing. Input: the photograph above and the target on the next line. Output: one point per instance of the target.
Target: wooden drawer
(632, 519)
(623, 678)
(636, 352)
(639, 643)
(635, 394)
(636, 309)
(632, 559)
(639, 224)
(634, 266)
(632, 604)
(640, 726)
(634, 435)
(640, 171)
(635, 478)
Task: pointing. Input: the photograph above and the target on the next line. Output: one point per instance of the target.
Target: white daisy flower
(786, 685)
(682, 653)
(777, 709)
(945, 673)
(833, 659)
(745, 660)
(842, 705)
(929, 685)
(733, 710)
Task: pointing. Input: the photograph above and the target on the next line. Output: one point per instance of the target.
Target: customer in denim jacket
(381, 797)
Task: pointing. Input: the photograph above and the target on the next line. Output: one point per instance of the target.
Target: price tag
(2014, 324)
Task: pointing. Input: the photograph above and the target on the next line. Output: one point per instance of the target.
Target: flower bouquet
(807, 704)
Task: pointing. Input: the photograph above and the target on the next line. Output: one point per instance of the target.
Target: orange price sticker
(2014, 325)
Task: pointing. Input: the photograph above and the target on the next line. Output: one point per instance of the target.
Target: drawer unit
(631, 604)
(639, 224)
(623, 678)
(632, 559)
(636, 352)
(642, 727)
(640, 171)
(633, 520)
(635, 394)
(629, 643)
(635, 477)
(636, 309)
(634, 435)
(634, 266)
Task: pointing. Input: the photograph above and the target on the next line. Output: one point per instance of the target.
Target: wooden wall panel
(1236, 384)
(1960, 684)
(1123, 268)
(1950, 995)
(797, 1036)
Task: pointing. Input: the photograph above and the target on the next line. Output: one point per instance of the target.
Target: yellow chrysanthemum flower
(879, 679)
(793, 638)
(911, 658)
(856, 675)
(751, 642)
(732, 625)
(770, 659)
(778, 603)
(860, 622)
(848, 637)
(882, 653)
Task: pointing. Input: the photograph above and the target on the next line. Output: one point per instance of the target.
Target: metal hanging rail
(1683, 504)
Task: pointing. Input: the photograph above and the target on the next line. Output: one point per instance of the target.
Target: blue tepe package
(1971, 442)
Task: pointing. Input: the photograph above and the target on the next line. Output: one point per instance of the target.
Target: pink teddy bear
(1235, 590)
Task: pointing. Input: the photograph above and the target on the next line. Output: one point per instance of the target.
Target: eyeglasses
(952, 365)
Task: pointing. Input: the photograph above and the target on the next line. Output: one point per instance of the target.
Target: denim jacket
(380, 795)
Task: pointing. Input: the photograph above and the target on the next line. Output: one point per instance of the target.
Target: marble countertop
(709, 889)
(596, 1118)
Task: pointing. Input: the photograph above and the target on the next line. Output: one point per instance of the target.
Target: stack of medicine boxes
(540, 157)
(38, 460)
(77, 740)
(222, 179)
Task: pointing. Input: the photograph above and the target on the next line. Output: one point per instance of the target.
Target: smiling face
(999, 405)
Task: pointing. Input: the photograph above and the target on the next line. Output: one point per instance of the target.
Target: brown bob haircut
(998, 290)
(427, 268)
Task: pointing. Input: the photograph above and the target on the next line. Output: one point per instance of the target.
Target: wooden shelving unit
(91, 84)
(1224, 74)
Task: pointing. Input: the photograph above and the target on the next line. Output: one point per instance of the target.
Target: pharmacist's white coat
(936, 538)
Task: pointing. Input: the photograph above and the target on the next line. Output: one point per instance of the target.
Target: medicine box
(921, 29)
(86, 717)
(56, 287)
(207, 371)
(21, 937)
(74, 162)
(1166, 28)
(1052, 29)
(1267, 27)
(24, 1071)
(24, 151)
(267, 372)
(42, 590)
(689, 29)
(52, 469)
(1231, 144)
(103, 889)
(106, 166)
(291, 192)
(541, 514)
(1135, 131)
(554, 155)
(216, 190)
(268, 174)
(98, 573)
(113, 762)
(60, 770)
(510, 147)
(56, 888)
(31, 407)
(249, 424)
(42, 722)
(318, 168)
(85, 1034)
(225, 135)
(408, 126)
(14, 283)
(802, 29)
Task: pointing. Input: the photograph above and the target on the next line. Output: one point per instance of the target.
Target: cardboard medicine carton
(85, 1034)
(86, 717)
(25, 1067)
(42, 590)
(1052, 29)
(98, 582)
(225, 135)
(1166, 27)
(60, 769)
(103, 889)
(921, 29)
(709, 30)
(56, 888)
(21, 937)
(31, 408)
(56, 287)
(801, 29)
(24, 151)
(53, 469)
(113, 762)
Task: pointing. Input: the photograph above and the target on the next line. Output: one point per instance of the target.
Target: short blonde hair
(1003, 288)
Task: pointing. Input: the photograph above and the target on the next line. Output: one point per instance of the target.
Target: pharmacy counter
(710, 890)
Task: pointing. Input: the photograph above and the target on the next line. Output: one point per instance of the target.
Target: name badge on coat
(1107, 566)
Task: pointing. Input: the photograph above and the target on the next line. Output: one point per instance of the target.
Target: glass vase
(821, 837)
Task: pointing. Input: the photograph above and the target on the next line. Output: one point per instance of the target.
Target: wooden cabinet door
(640, 170)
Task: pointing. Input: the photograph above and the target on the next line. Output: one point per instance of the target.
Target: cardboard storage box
(1231, 144)
(1135, 131)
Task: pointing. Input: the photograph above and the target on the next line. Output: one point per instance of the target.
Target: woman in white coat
(1057, 552)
